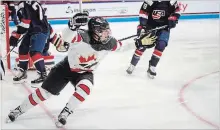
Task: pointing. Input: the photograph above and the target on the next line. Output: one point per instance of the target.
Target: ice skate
(151, 72)
(40, 79)
(63, 117)
(20, 76)
(130, 69)
(13, 115)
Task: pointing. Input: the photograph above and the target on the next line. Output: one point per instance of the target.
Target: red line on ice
(46, 110)
(182, 101)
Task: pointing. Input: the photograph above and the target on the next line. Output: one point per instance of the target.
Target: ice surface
(121, 101)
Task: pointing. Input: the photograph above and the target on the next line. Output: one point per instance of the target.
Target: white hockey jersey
(83, 54)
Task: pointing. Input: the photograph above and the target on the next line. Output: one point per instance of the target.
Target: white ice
(122, 101)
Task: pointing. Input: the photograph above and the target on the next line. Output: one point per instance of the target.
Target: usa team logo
(157, 14)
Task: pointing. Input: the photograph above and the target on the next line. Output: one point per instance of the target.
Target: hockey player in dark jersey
(154, 14)
(35, 30)
(12, 10)
(85, 50)
(48, 57)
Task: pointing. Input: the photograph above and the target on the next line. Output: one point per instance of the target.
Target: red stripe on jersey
(85, 88)
(74, 39)
(157, 53)
(79, 70)
(177, 10)
(143, 12)
(174, 18)
(24, 57)
(36, 57)
(79, 38)
(32, 100)
(138, 52)
(26, 21)
(40, 95)
(79, 97)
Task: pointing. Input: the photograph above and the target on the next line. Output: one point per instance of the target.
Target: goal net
(4, 36)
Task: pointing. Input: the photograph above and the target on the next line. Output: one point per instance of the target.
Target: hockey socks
(33, 99)
(38, 61)
(83, 89)
(23, 62)
(136, 57)
(155, 57)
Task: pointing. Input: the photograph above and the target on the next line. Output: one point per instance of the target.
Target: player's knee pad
(161, 45)
(39, 95)
(83, 89)
(164, 36)
(162, 41)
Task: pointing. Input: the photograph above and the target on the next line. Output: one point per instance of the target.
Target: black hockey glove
(173, 20)
(140, 29)
(13, 41)
(147, 40)
(79, 19)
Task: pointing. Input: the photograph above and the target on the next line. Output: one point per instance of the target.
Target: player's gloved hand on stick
(58, 42)
(79, 19)
(140, 29)
(146, 40)
(172, 21)
(13, 41)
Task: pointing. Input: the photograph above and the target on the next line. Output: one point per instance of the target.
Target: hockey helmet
(100, 30)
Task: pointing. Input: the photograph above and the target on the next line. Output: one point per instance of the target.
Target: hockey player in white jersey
(85, 49)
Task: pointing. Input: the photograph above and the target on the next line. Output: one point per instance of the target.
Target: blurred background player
(12, 11)
(86, 50)
(35, 30)
(154, 14)
(48, 57)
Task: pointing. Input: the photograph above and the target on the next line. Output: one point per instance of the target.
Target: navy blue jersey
(32, 17)
(155, 13)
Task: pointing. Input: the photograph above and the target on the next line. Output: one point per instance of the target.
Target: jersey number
(36, 6)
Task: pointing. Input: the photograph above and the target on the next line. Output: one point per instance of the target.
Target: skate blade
(7, 120)
(58, 124)
(19, 82)
(150, 76)
(129, 72)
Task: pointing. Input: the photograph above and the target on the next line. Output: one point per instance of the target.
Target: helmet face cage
(100, 29)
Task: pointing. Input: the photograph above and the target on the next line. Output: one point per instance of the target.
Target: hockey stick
(12, 49)
(80, 6)
(157, 28)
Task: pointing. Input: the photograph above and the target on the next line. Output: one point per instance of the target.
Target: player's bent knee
(161, 45)
(83, 89)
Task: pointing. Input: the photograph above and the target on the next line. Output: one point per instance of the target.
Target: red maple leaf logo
(84, 59)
